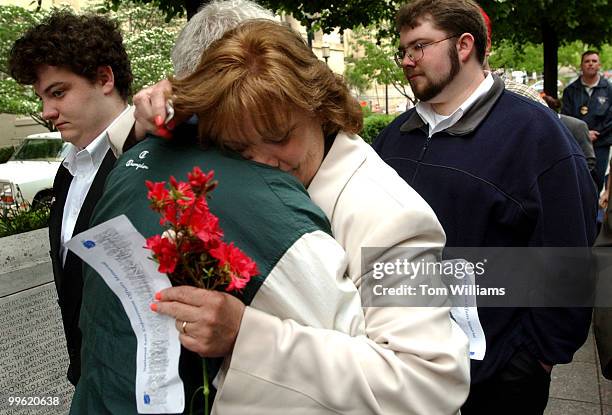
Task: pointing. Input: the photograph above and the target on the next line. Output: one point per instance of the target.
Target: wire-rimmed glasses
(415, 52)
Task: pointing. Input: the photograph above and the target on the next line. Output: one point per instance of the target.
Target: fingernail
(171, 124)
(159, 121)
(158, 296)
(153, 307)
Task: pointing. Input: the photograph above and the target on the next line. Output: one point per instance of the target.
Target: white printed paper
(116, 251)
(465, 314)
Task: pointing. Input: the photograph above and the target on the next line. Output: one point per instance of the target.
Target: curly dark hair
(79, 43)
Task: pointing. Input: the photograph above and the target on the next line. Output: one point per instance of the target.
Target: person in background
(579, 130)
(602, 316)
(499, 171)
(81, 72)
(589, 98)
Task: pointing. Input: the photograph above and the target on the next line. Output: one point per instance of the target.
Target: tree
(329, 15)
(170, 8)
(316, 14)
(376, 64)
(147, 37)
(16, 98)
(552, 23)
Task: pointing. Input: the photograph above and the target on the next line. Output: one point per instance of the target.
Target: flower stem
(206, 389)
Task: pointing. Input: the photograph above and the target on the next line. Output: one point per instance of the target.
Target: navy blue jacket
(507, 174)
(599, 116)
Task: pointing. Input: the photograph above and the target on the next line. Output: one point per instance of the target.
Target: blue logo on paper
(147, 399)
(89, 244)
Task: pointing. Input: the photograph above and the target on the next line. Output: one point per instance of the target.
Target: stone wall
(33, 357)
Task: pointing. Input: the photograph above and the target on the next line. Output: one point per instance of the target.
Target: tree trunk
(192, 6)
(551, 46)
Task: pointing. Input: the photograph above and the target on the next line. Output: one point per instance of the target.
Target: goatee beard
(434, 88)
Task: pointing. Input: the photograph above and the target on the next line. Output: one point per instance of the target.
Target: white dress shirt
(439, 122)
(83, 165)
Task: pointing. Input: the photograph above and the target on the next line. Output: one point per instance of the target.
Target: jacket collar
(472, 117)
(120, 129)
(577, 84)
(341, 162)
(603, 82)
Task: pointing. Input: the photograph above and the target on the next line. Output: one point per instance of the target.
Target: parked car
(27, 177)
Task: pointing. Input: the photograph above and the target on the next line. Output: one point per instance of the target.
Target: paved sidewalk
(579, 388)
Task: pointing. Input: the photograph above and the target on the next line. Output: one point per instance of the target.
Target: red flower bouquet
(191, 250)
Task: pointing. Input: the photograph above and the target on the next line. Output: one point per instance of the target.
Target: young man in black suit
(81, 72)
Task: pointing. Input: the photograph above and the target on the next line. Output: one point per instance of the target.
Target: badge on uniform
(584, 110)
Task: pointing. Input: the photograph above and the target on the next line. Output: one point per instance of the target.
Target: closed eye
(279, 140)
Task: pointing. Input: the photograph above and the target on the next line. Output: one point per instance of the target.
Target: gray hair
(209, 24)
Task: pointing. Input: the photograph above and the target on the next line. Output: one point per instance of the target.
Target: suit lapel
(61, 184)
(94, 194)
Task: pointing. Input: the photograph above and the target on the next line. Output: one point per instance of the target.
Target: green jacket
(262, 210)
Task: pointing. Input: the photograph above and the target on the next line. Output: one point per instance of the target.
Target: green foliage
(366, 111)
(316, 14)
(523, 21)
(355, 75)
(327, 15)
(15, 219)
(169, 8)
(373, 125)
(15, 98)
(529, 57)
(553, 23)
(376, 64)
(148, 39)
(6, 153)
(14, 21)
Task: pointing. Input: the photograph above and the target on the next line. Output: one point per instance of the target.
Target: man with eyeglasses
(499, 170)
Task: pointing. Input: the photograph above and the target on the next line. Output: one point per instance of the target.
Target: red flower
(241, 267)
(183, 194)
(201, 223)
(206, 228)
(169, 214)
(164, 251)
(158, 194)
(198, 179)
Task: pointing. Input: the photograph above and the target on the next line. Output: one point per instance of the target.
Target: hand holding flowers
(213, 318)
(191, 251)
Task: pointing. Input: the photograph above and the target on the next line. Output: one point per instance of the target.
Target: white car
(27, 178)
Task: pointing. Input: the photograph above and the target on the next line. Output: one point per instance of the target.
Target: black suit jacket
(69, 277)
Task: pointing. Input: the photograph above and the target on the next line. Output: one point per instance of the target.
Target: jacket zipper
(425, 146)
